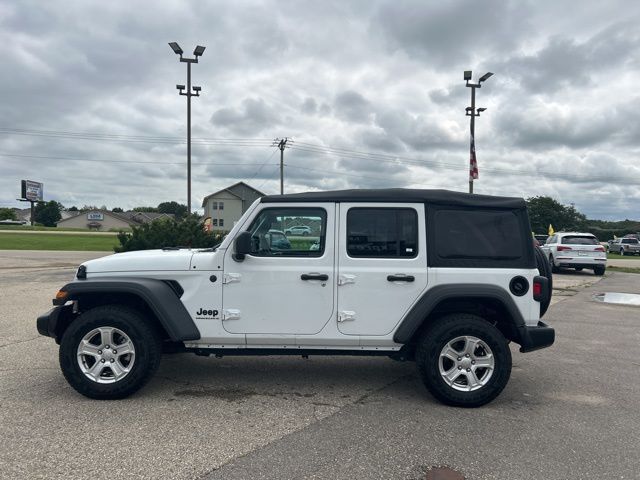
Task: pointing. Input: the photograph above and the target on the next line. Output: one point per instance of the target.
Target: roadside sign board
(95, 216)
(32, 191)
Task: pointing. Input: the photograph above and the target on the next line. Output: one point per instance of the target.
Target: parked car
(541, 238)
(298, 230)
(441, 278)
(575, 250)
(625, 246)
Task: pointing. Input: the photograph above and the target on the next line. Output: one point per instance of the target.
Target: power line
(77, 159)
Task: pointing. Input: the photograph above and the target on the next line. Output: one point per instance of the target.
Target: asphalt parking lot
(571, 411)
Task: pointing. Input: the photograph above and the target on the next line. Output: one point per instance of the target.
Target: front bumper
(51, 324)
(535, 338)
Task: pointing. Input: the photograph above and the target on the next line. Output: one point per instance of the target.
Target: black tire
(304, 234)
(578, 269)
(443, 331)
(545, 270)
(599, 270)
(144, 337)
(622, 252)
(554, 269)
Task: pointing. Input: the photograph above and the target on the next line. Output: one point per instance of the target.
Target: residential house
(226, 206)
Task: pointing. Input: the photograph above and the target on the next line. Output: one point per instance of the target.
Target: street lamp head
(481, 109)
(199, 50)
(197, 89)
(485, 77)
(180, 87)
(468, 109)
(176, 48)
(467, 74)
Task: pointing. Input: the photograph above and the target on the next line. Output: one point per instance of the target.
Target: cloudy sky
(370, 92)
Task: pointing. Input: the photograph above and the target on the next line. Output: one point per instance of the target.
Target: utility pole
(281, 144)
(199, 50)
(473, 113)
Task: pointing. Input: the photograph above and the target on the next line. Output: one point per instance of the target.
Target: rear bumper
(48, 324)
(581, 262)
(535, 338)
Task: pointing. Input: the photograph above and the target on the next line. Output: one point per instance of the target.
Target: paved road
(570, 411)
(60, 232)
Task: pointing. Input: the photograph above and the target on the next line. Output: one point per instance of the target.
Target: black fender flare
(434, 296)
(161, 299)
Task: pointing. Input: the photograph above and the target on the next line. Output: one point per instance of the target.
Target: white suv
(446, 279)
(576, 250)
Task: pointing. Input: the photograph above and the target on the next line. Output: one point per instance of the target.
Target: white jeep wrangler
(443, 278)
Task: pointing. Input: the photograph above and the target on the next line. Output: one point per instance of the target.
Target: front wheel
(621, 252)
(463, 360)
(554, 269)
(109, 352)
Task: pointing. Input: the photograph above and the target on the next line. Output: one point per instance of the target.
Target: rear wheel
(599, 270)
(463, 360)
(109, 352)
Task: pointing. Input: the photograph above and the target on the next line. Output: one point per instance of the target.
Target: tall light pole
(199, 50)
(473, 113)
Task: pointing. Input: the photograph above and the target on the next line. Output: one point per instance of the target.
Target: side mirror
(242, 246)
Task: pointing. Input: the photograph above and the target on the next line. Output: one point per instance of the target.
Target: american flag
(473, 162)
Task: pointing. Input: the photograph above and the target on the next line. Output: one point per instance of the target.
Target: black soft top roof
(401, 195)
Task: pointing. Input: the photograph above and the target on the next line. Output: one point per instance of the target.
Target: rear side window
(579, 240)
(478, 235)
(630, 240)
(382, 232)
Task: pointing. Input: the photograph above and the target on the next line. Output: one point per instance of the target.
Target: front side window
(382, 232)
(268, 238)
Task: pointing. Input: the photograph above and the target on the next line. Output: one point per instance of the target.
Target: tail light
(540, 286)
(562, 248)
(600, 249)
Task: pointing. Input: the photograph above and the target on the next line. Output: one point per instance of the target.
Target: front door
(382, 265)
(285, 285)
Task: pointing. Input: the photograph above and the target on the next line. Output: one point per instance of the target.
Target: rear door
(382, 265)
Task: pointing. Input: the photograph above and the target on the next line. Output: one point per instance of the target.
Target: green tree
(545, 210)
(167, 232)
(72, 209)
(179, 210)
(47, 213)
(8, 214)
(117, 210)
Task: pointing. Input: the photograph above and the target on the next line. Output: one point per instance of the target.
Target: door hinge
(344, 279)
(231, 314)
(346, 315)
(231, 277)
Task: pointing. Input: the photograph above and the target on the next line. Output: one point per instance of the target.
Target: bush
(164, 232)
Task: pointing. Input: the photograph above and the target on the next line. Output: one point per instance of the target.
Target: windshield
(579, 240)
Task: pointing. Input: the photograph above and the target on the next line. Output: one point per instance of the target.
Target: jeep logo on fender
(204, 313)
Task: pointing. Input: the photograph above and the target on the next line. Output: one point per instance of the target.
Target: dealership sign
(32, 191)
(95, 216)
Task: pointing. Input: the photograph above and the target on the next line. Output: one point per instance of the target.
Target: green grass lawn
(17, 241)
(40, 228)
(623, 269)
(616, 256)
